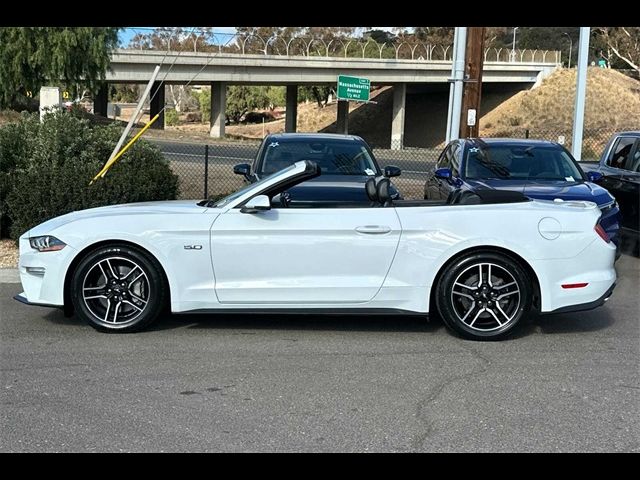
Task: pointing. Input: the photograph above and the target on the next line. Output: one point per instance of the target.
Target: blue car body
(452, 162)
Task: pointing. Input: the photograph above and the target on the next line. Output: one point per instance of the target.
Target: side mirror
(392, 171)
(443, 173)
(257, 204)
(594, 176)
(242, 169)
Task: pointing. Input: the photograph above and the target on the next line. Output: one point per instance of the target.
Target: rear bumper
(585, 306)
(594, 266)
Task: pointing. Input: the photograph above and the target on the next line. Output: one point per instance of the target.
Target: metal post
(342, 122)
(526, 133)
(451, 85)
(134, 117)
(206, 171)
(581, 90)
(458, 80)
(570, 47)
(513, 49)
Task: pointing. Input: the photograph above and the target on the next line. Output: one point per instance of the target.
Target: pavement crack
(424, 404)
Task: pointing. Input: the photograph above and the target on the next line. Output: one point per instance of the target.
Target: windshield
(334, 157)
(229, 198)
(545, 162)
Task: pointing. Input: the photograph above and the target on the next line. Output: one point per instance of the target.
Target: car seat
(372, 192)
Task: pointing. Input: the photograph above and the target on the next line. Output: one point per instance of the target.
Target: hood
(141, 208)
(334, 188)
(550, 189)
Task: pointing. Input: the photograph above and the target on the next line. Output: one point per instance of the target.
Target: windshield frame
(565, 154)
(262, 153)
(230, 200)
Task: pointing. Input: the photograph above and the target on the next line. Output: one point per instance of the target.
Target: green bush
(204, 100)
(171, 117)
(45, 170)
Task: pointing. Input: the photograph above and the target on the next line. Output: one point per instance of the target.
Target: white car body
(326, 258)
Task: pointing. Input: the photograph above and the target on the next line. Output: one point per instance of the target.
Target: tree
(319, 93)
(620, 46)
(32, 56)
(242, 99)
(434, 35)
(564, 39)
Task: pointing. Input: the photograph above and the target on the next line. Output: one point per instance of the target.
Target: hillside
(613, 103)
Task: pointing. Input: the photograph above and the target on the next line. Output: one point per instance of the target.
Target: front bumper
(42, 274)
(23, 299)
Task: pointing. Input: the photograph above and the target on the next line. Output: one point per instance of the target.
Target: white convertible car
(482, 260)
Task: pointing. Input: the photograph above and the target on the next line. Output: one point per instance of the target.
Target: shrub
(171, 117)
(204, 100)
(45, 170)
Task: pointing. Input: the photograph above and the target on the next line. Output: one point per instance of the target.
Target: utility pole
(470, 114)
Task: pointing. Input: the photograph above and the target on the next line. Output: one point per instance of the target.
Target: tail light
(600, 231)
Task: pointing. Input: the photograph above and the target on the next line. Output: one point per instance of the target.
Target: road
(414, 163)
(320, 383)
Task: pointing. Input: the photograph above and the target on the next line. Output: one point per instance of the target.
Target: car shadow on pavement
(324, 322)
(578, 322)
(589, 321)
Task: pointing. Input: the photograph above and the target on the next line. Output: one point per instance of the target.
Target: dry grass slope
(613, 103)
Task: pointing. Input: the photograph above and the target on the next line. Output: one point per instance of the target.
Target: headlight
(46, 243)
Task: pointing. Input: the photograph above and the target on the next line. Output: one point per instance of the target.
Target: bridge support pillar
(157, 105)
(291, 118)
(218, 107)
(100, 100)
(397, 119)
(342, 124)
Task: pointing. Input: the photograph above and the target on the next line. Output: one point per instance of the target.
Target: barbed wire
(400, 47)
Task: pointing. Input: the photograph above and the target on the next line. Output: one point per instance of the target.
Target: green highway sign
(353, 88)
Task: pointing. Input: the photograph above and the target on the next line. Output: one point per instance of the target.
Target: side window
(620, 152)
(454, 163)
(634, 164)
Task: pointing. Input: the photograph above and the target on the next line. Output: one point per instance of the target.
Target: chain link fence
(206, 170)
(593, 139)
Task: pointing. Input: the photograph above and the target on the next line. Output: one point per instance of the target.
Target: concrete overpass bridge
(219, 69)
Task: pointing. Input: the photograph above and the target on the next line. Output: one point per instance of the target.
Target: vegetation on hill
(613, 102)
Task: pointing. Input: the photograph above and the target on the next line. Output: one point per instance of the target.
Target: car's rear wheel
(118, 288)
(483, 296)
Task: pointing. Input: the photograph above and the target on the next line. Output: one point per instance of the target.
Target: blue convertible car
(539, 169)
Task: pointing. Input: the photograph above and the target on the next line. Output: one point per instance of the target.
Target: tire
(484, 310)
(118, 288)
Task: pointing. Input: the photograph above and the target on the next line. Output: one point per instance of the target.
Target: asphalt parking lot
(321, 383)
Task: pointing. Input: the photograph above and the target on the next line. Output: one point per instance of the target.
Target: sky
(127, 34)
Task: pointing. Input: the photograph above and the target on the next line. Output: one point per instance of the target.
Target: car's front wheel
(483, 295)
(118, 288)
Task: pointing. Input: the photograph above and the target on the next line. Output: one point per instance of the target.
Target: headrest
(372, 191)
(384, 195)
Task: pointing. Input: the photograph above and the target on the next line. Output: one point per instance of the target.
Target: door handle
(373, 229)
